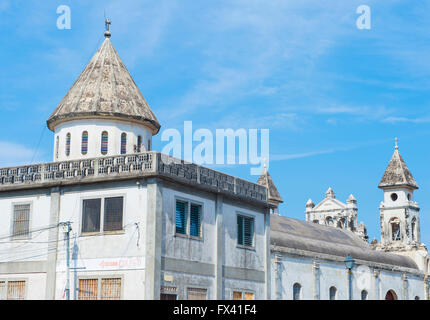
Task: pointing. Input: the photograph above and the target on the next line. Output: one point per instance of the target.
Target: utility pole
(75, 268)
(66, 229)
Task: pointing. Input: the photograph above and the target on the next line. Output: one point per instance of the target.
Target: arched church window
(297, 288)
(395, 229)
(341, 223)
(329, 221)
(332, 293)
(364, 295)
(413, 224)
(316, 221)
(149, 144)
(391, 295)
(104, 146)
(123, 143)
(68, 138)
(84, 142)
(409, 197)
(139, 144)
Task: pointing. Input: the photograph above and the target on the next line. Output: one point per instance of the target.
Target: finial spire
(107, 32)
(395, 142)
(265, 164)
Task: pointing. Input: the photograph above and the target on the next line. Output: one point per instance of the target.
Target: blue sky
(333, 96)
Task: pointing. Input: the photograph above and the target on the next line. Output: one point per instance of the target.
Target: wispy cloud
(405, 120)
(12, 154)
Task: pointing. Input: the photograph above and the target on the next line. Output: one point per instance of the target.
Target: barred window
(68, 138)
(243, 295)
(88, 289)
(3, 290)
(21, 220)
(197, 294)
(84, 143)
(245, 230)
(123, 143)
(104, 144)
(15, 290)
(111, 289)
(113, 214)
(195, 217)
(181, 208)
(91, 215)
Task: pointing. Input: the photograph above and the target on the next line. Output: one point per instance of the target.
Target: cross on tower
(107, 23)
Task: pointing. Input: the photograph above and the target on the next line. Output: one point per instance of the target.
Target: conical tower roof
(397, 173)
(106, 90)
(266, 180)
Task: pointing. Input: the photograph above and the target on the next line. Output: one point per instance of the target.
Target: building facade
(111, 219)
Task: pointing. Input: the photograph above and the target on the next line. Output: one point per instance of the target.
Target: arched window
(395, 229)
(341, 223)
(391, 295)
(332, 293)
(316, 221)
(417, 298)
(413, 224)
(364, 295)
(57, 147)
(139, 144)
(104, 146)
(329, 221)
(68, 138)
(149, 144)
(297, 288)
(84, 142)
(123, 143)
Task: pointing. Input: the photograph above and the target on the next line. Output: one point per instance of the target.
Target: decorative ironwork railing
(130, 165)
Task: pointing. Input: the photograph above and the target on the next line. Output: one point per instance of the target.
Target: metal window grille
(111, 289)
(237, 295)
(84, 144)
(245, 230)
(88, 289)
(181, 208)
(68, 138)
(249, 296)
(197, 294)
(104, 145)
(2, 290)
(15, 290)
(113, 214)
(195, 219)
(296, 291)
(91, 215)
(123, 143)
(21, 220)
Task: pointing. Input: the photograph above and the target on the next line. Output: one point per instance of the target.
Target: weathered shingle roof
(320, 239)
(266, 180)
(397, 173)
(105, 89)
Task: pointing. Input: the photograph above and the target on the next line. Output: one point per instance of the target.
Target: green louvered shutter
(181, 217)
(240, 230)
(248, 231)
(195, 217)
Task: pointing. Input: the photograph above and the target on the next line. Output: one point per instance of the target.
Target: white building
(147, 226)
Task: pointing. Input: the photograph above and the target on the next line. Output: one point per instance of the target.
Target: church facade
(110, 218)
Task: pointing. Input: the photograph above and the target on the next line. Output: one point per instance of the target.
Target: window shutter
(111, 289)
(21, 220)
(195, 214)
(15, 290)
(88, 289)
(180, 217)
(248, 231)
(91, 215)
(113, 214)
(2, 290)
(240, 230)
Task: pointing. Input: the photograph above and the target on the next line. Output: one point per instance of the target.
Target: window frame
(330, 293)
(197, 287)
(123, 143)
(7, 280)
(99, 279)
(244, 246)
(187, 233)
(242, 291)
(102, 142)
(102, 213)
(30, 220)
(300, 291)
(86, 143)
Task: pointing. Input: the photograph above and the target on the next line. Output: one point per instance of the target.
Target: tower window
(57, 147)
(413, 224)
(68, 138)
(149, 144)
(84, 143)
(139, 144)
(123, 143)
(394, 196)
(104, 146)
(395, 229)
(409, 196)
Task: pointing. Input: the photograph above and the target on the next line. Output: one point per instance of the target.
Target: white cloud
(12, 154)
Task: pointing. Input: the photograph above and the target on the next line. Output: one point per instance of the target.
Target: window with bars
(84, 142)
(123, 143)
(243, 295)
(188, 214)
(3, 290)
(21, 220)
(91, 215)
(197, 294)
(245, 231)
(113, 214)
(104, 143)
(68, 138)
(15, 290)
(100, 289)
